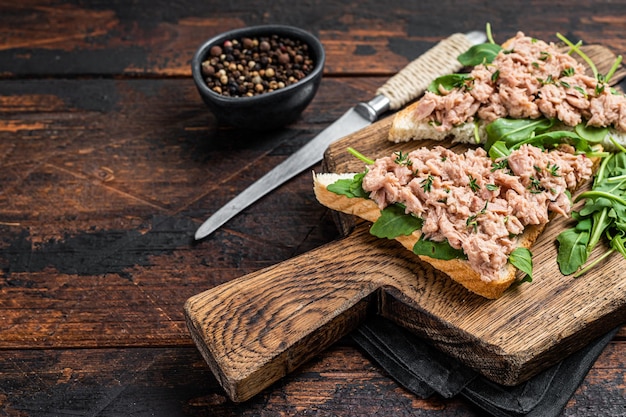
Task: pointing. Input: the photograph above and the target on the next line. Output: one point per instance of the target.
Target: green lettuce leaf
(572, 253)
(394, 222)
(479, 54)
(449, 82)
(351, 188)
(437, 250)
(522, 259)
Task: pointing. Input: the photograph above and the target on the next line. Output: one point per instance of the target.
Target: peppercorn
(216, 51)
(247, 43)
(208, 70)
(250, 66)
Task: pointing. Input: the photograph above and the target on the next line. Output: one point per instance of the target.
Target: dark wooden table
(110, 161)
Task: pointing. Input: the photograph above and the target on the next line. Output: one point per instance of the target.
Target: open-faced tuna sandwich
(538, 127)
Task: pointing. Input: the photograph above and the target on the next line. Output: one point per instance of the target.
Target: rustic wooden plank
(112, 160)
(99, 201)
(123, 282)
(176, 381)
(112, 38)
(117, 287)
(89, 134)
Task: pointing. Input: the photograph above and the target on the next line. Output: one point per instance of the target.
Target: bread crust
(458, 270)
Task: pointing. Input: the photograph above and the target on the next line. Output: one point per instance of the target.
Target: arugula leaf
(602, 215)
(505, 135)
(522, 259)
(591, 134)
(437, 250)
(593, 206)
(351, 188)
(449, 82)
(618, 242)
(554, 138)
(394, 222)
(573, 242)
(499, 150)
(616, 165)
(479, 54)
(511, 131)
(360, 156)
(600, 221)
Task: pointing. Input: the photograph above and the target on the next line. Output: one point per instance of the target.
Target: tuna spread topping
(529, 79)
(476, 204)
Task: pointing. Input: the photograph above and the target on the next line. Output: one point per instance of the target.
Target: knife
(405, 86)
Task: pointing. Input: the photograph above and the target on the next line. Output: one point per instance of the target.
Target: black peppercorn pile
(251, 66)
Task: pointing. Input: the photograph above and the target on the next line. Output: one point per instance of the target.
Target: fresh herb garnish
(450, 82)
(484, 53)
(402, 159)
(472, 223)
(427, 183)
(603, 214)
(599, 89)
(350, 187)
(535, 186)
(505, 135)
(602, 79)
(437, 250)
(581, 91)
(554, 170)
(502, 164)
(360, 156)
(522, 259)
(394, 222)
(473, 185)
(547, 80)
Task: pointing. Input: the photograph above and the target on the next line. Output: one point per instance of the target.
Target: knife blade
(408, 84)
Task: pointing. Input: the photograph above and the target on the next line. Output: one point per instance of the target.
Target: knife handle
(414, 79)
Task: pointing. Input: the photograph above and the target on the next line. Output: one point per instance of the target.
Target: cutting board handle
(257, 328)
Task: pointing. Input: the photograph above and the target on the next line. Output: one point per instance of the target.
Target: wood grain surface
(110, 161)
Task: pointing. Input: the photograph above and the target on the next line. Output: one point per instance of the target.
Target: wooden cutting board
(258, 328)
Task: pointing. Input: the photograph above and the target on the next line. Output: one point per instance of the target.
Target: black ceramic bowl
(269, 110)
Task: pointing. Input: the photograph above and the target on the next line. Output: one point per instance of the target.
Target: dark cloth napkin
(424, 371)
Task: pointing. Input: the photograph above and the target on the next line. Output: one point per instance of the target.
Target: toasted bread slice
(457, 269)
(405, 128)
